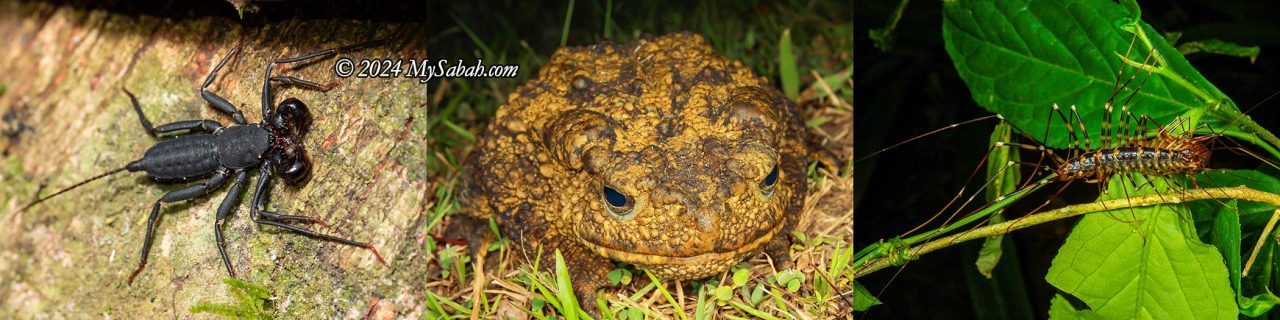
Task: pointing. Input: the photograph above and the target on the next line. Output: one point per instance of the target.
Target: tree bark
(65, 119)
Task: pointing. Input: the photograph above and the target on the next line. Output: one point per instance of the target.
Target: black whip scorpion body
(215, 153)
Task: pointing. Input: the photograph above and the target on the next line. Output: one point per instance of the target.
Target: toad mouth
(694, 260)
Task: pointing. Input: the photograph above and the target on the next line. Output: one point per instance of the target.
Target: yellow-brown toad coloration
(657, 152)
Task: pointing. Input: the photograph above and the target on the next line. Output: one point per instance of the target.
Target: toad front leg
(538, 239)
(587, 271)
(535, 238)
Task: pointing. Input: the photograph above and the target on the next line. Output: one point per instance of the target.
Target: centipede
(1132, 147)
(1127, 149)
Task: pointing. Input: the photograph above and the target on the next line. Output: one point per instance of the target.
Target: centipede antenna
(935, 233)
(1246, 112)
(1269, 163)
(953, 199)
(926, 134)
(64, 190)
(1256, 105)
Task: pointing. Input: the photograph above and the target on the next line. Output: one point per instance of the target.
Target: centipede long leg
(1133, 214)
(1073, 139)
(1088, 144)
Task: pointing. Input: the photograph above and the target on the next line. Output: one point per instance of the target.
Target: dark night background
(912, 87)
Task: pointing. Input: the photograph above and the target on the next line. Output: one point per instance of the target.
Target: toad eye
(771, 179)
(618, 203)
(614, 198)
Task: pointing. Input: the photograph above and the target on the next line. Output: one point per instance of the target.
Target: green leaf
(794, 285)
(835, 81)
(565, 287)
(1021, 57)
(883, 37)
(800, 236)
(700, 307)
(1258, 305)
(990, 254)
(862, 299)
(821, 288)
(757, 294)
(619, 276)
(787, 66)
(791, 279)
(816, 122)
(755, 312)
(1216, 46)
(459, 130)
(665, 294)
(1261, 276)
(1226, 237)
(633, 313)
(724, 293)
(1248, 214)
(538, 303)
(840, 259)
(1143, 263)
(454, 259)
(740, 277)
(1004, 177)
(1060, 309)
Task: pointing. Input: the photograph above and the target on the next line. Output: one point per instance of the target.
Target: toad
(657, 152)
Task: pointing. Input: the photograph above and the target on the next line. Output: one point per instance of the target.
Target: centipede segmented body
(1166, 155)
(1127, 150)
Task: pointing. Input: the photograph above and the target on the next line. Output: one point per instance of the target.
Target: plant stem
(875, 251)
(983, 212)
(1218, 104)
(1250, 126)
(1242, 193)
(1255, 139)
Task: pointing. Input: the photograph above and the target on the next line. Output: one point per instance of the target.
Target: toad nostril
(680, 198)
(668, 197)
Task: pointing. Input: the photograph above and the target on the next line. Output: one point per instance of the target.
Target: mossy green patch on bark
(251, 302)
